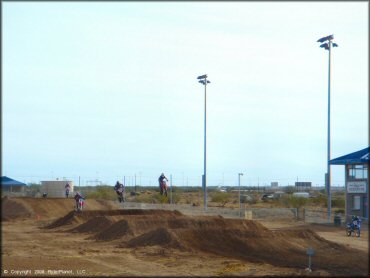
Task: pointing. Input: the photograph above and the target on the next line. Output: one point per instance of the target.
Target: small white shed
(56, 188)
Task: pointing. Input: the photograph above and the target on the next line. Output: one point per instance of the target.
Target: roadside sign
(310, 251)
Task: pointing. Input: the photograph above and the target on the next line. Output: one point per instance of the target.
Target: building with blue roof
(356, 181)
(12, 187)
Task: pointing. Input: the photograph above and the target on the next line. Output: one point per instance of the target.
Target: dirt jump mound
(245, 240)
(114, 231)
(94, 225)
(161, 236)
(13, 209)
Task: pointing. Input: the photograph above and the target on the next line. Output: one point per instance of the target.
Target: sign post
(310, 252)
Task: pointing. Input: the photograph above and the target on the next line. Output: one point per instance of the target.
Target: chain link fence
(307, 215)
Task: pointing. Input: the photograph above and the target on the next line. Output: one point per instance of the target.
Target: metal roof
(361, 156)
(5, 181)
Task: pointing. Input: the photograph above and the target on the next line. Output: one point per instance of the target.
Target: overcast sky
(107, 90)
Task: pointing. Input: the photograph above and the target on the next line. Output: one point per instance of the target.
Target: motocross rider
(67, 188)
(77, 197)
(355, 220)
(118, 186)
(161, 178)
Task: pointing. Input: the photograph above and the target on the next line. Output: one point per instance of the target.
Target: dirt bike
(163, 188)
(354, 227)
(80, 204)
(120, 194)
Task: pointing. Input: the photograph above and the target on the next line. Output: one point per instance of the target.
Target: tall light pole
(328, 44)
(240, 205)
(203, 80)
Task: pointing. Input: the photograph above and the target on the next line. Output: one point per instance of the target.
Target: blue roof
(5, 181)
(352, 158)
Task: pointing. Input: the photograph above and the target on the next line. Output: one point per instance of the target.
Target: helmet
(162, 174)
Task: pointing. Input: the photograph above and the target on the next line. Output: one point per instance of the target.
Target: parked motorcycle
(354, 226)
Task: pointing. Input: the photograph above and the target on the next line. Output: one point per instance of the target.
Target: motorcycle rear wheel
(358, 233)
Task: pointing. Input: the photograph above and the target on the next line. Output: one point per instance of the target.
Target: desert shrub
(298, 202)
(221, 197)
(320, 200)
(176, 197)
(176, 189)
(339, 211)
(145, 198)
(292, 201)
(284, 201)
(339, 203)
(161, 199)
(106, 193)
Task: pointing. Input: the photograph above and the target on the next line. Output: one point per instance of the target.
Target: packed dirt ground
(47, 237)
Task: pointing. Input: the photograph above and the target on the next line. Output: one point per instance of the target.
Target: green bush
(339, 211)
(106, 193)
(319, 200)
(298, 202)
(221, 197)
(158, 198)
(145, 198)
(292, 201)
(339, 203)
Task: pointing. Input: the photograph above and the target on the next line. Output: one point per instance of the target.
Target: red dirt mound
(89, 214)
(245, 240)
(160, 236)
(46, 209)
(94, 225)
(114, 231)
(13, 209)
(70, 218)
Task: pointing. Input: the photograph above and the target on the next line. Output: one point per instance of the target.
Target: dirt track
(44, 234)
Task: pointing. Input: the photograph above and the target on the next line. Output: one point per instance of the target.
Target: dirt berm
(245, 240)
(45, 209)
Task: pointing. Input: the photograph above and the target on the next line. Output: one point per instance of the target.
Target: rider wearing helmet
(118, 186)
(67, 188)
(355, 220)
(77, 197)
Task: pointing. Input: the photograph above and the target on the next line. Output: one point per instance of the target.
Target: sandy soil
(45, 237)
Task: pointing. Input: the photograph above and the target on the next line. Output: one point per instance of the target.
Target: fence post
(171, 189)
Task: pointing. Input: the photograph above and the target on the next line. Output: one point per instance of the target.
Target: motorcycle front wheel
(348, 233)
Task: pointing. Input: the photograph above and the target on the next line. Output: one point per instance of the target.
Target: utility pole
(203, 80)
(328, 44)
